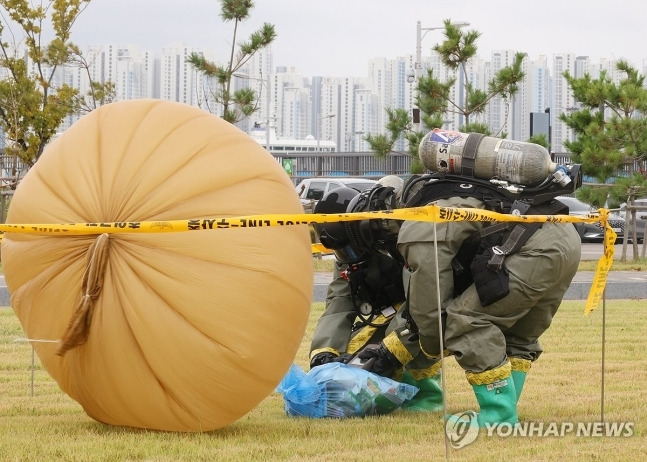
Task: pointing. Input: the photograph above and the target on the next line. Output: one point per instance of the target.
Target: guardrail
(357, 164)
(353, 164)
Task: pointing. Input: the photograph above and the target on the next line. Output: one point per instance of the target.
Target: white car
(312, 190)
(592, 232)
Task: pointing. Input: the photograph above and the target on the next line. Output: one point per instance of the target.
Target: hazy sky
(338, 37)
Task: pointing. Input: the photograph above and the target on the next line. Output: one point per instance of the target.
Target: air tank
(485, 157)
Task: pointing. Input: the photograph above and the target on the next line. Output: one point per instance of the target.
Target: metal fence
(366, 165)
(355, 164)
(12, 169)
(306, 165)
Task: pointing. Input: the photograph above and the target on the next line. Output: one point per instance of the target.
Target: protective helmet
(394, 182)
(334, 235)
(376, 235)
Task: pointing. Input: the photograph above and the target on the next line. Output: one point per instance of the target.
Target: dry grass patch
(563, 386)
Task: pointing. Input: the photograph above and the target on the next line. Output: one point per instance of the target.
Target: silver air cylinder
(485, 157)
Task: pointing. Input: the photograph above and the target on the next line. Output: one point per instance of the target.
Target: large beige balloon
(186, 331)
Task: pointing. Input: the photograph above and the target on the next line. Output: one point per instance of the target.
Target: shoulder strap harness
(501, 239)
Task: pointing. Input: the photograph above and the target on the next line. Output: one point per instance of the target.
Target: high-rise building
(563, 100)
(536, 91)
(501, 112)
(349, 133)
(342, 109)
(179, 81)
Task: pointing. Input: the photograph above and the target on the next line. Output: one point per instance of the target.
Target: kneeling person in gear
(365, 301)
(498, 297)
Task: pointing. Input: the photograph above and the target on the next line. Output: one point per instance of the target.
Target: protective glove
(385, 363)
(322, 358)
(343, 358)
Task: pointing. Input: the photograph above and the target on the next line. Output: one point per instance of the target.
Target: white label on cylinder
(447, 147)
(508, 165)
(444, 136)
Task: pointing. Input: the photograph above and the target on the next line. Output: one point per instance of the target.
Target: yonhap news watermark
(561, 429)
(463, 429)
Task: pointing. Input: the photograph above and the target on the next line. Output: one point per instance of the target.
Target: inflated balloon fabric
(180, 331)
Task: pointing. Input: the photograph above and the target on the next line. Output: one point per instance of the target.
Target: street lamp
(350, 140)
(412, 77)
(319, 129)
(414, 74)
(355, 139)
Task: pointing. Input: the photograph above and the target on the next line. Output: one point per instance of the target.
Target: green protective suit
(482, 338)
(335, 332)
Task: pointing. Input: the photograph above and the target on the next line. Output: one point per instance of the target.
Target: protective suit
(370, 278)
(341, 328)
(340, 334)
(495, 344)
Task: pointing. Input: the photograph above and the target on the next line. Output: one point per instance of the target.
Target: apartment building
(341, 109)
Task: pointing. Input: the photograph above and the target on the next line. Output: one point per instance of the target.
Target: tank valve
(561, 176)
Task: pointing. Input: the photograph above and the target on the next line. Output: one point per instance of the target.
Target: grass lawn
(564, 385)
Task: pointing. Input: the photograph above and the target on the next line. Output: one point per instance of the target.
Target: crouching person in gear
(496, 344)
(365, 300)
(499, 284)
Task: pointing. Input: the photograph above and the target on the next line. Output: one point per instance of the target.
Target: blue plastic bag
(338, 390)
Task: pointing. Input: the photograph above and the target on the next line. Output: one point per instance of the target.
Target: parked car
(641, 218)
(592, 232)
(311, 190)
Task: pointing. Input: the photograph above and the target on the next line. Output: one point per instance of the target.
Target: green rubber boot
(518, 378)
(497, 399)
(429, 397)
(520, 368)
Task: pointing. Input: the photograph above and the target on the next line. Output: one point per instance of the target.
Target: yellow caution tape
(320, 248)
(604, 265)
(429, 213)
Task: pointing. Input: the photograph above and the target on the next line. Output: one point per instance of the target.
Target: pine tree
(233, 106)
(611, 143)
(434, 97)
